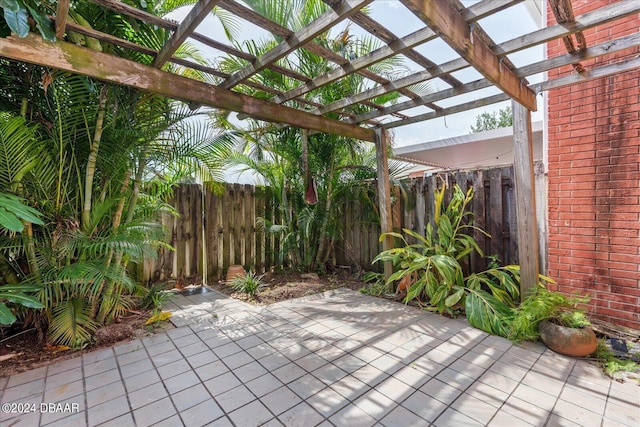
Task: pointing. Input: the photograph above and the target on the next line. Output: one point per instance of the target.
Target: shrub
(431, 272)
(546, 305)
(249, 284)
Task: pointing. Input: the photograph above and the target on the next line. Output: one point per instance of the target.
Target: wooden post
(384, 194)
(525, 199)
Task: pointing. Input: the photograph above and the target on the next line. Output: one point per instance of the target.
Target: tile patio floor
(338, 358)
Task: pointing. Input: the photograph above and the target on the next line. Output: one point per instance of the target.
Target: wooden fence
(493, 208)
(216, 230)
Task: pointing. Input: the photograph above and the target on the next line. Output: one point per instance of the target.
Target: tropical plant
(99, 162)
(337, 170)
(249, 284)
(544, 304)
(12, 211)
(429, 268)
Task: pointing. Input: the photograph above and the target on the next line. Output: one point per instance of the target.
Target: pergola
(448, 20)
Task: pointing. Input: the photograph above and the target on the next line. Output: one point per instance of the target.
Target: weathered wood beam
(449, 110)
(312, 47)
(421, 36)
(79, 60)
(485, 8)
(587, 75)
(376, 29)
(584, 21)
(343, 10)
(196, 15)
(606, 48)
(525, 199)
(442, 17)
(384, 194)
(602, 15)
(62, 9)
(394, 46)
(595, 73)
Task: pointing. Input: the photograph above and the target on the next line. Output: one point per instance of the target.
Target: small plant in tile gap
(432, 275)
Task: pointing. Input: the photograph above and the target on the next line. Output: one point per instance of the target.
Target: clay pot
(577, 342)
(235, 271)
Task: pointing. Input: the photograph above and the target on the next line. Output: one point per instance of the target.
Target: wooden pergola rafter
(358, 115)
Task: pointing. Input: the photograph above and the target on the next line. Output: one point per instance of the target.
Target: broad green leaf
(9, 221)
(486, 313)
(17, 21)
(44, 24)
(6, 315)
(22, 299)
(454, 298)
(11, 5)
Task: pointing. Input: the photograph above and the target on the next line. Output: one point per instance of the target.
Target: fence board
(232, 236)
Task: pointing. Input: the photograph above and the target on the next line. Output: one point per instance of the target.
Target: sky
(501, 27)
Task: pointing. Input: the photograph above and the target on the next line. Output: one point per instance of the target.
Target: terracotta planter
(577, 342)
(235, 271)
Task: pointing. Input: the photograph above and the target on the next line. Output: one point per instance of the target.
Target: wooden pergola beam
(196, 15)
(595, 73)
(79, 60)
(605, 48)
(584, 21)
(525, 199)
(421, 36)
(443, 18)
(62, 9)
(343, 10)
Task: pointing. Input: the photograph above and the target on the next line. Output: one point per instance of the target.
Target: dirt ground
(31, 353)
(282, 286)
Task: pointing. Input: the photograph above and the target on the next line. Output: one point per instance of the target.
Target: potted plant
(558, 320)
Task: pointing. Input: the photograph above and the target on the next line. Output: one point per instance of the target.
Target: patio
(338, 358)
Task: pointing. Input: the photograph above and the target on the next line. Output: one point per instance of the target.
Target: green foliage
(16, 294)
(611, 364)
(432, 268)
(375, 284)
(99, 162)
(154, 296)
(250, 284)
(13, 210)
(498, 119)
(546, 305)
(17, 12)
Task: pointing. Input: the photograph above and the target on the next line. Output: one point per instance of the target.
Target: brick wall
(594, 180)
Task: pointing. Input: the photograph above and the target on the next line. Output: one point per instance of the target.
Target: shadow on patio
(338, 358)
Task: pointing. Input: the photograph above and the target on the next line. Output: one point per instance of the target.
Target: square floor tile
(280, 400)
(154, 412)
(250, 415)
(201, 414)
(302, 415)
(235, 398)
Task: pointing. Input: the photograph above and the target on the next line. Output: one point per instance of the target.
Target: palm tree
(307, 232)
(84, 155)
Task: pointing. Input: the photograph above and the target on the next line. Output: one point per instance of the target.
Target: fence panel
(224, 230)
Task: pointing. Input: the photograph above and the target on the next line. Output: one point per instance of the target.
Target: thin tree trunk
(327, 213)
(27, 235)
(91, 161)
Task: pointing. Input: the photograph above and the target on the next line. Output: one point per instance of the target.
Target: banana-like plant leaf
(454, 298)
(485, 312)
(11, 5)
(17, 21)
(22, 299)
(9, 221)
(6, 315)
(44, 24)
